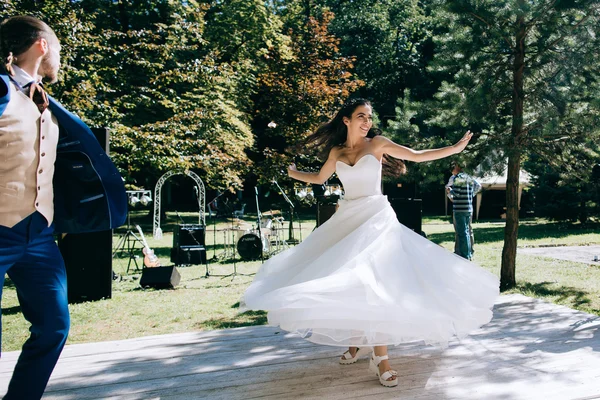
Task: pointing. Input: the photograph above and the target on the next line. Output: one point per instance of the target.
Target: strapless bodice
(361, 179)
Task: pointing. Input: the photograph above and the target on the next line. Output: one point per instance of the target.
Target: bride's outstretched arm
(397, 151)
(315, 177)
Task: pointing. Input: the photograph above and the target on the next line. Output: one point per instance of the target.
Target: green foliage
(477, 50)
(405, 129)
(298, 91)
(391, 43)
(567, 188)
(193, 85)
(144, 70)
(171, 98)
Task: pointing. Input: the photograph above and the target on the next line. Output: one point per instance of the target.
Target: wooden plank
(307, 366)
(530, 350)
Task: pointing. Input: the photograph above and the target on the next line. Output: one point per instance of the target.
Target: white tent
(497, 182)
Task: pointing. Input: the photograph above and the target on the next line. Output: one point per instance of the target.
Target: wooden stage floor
(531, 350)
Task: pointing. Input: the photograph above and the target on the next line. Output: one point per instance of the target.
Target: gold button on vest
(26, 162)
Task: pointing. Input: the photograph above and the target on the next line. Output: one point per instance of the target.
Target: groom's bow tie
(38, 95)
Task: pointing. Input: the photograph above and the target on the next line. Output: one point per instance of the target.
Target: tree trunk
(123, 17)
(509, 252)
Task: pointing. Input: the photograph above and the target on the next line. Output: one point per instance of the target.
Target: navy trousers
(32, 260)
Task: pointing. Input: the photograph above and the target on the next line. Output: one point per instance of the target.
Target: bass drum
(250, 246)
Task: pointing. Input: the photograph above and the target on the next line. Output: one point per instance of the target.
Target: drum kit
(267, 236)
(252, 242)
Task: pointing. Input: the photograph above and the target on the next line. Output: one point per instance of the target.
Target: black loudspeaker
(88, 256)
(324, 212)
(409, 213)
(103, 137)
(160, 277)
(188, 255)
(88, 262)
(189, 235)
(400, 190)
(188, 245)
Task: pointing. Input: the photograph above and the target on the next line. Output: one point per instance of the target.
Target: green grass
(205, 304)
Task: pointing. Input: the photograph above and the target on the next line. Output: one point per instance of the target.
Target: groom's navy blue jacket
(89, 194)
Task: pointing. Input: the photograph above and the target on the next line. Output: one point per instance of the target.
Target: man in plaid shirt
(461, 189)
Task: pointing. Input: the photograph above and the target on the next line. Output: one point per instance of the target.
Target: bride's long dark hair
(334, 133)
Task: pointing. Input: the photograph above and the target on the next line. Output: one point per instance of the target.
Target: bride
(362, 280)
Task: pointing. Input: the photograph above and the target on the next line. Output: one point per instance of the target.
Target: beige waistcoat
(28, 142)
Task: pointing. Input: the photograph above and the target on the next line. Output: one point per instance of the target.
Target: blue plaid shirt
(463, 188)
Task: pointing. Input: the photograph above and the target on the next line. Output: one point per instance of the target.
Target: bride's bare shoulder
(335, 152)
(378, 144)
(380, 140)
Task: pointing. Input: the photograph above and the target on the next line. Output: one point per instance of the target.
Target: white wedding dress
(362, 278)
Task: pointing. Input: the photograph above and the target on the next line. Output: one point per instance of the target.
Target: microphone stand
(234, 273)
(291, 227)
(214, 257)
(259, 220)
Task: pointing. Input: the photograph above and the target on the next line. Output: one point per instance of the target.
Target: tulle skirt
(362, 278)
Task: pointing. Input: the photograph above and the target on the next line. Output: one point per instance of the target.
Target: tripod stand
(213, 203)
(291, 238)
(232, 232)
(127, 244)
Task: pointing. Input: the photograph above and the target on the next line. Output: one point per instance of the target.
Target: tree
(145, 70)
(391, 43)
(522, 71)
(566, 182)
(300, 90)
(174, 99)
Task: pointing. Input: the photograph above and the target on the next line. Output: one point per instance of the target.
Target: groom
(54, 177)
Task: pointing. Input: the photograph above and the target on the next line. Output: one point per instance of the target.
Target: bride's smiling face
(360, 122)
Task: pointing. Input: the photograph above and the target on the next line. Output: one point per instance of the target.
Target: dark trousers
(463, 236)
(30, 257)
(471, 236)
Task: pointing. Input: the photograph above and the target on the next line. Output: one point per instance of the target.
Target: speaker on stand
(88, 256)
(408, 209)
(88, 262)
(409, 213)
(188, 245)
(325, 210)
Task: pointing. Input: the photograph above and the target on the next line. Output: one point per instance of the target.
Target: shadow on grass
(11, 310)
(570, 296)
(249, 318)
(550, 230)
(8, 283)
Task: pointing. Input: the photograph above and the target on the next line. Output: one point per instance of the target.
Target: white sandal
(383, 378)
(348, 359)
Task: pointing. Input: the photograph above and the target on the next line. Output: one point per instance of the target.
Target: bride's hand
(462, 143)
(292, 167)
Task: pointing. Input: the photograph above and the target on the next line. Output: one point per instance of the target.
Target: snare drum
(266, 224)
(250, 245)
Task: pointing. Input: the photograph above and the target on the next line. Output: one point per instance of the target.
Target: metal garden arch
(157, 231)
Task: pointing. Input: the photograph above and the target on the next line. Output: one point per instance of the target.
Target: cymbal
(272, 212)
